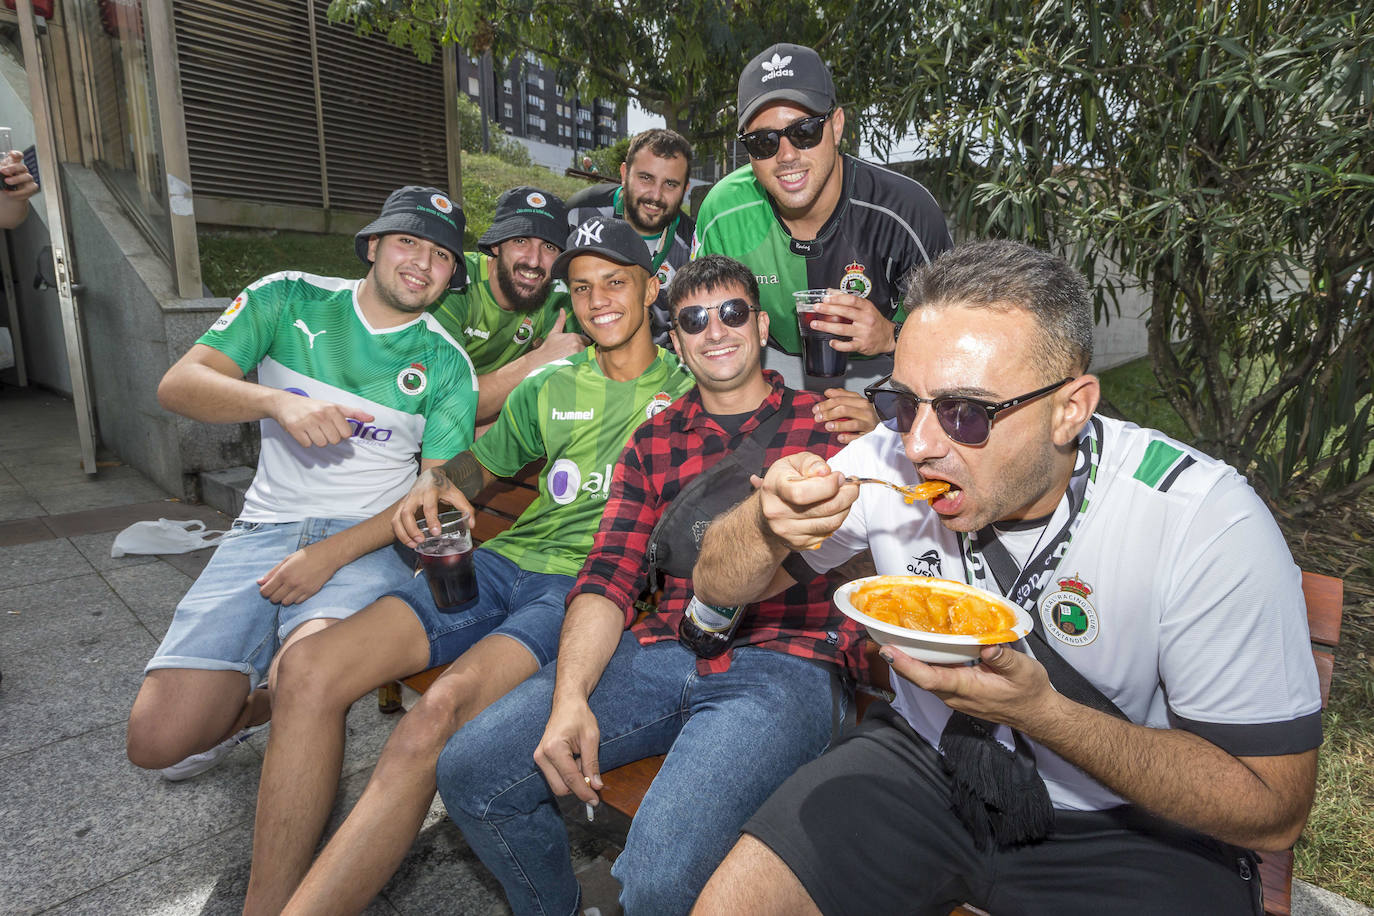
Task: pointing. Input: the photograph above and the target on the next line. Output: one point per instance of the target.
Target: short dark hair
(1003, 275)
(709, 272)
(663, 143)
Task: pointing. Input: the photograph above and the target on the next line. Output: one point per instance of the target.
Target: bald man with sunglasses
(734, 724)
(803, 216)
(1159, 722)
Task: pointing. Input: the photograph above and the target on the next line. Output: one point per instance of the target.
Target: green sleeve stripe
(701, 235)
(1158, 459)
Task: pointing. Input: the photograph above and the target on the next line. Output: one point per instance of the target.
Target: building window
(507, 85)
(509, 110)
(535, 101)
(474, 87)
(531, 57)
(535, 122)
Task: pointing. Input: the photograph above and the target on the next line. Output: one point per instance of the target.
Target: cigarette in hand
(591, 809)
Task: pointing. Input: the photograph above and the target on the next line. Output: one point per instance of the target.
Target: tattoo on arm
(465, 472)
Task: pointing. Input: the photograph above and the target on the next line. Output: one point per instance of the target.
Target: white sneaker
(199, 763)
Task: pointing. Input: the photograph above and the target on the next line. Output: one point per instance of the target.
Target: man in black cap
(353, 375)
(653, 185)
(574, 414)
(802, 216)
(509, 318)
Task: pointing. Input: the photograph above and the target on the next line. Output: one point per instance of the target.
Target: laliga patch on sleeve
(227, 317)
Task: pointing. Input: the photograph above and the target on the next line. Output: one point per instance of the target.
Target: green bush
(503, 146)
(606, 160)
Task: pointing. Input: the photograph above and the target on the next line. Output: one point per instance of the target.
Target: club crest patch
(412, 379)
(658, 403)
(856, 281)
(1068, 615)
(525, 331)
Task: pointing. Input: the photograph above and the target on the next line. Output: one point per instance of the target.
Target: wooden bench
(501, 503)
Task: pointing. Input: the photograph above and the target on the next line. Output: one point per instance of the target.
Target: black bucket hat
(425, 213)
(608, 237)
(526, 212)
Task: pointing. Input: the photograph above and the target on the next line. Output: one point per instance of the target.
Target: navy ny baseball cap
(425, 213)
(611, 238)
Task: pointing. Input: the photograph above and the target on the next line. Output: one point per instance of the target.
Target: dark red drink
(448, 566)
(818, 357)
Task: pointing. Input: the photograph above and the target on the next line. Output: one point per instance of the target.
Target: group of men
(1151, 570)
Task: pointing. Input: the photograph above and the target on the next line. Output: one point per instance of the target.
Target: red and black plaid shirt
(663, 455)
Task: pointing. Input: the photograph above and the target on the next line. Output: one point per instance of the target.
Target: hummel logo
(300, 323)
(573, 414)
(775, 67)
(588, 233)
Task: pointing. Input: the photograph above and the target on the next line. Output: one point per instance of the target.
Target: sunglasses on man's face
(803, 134)
(692, 319)
(967, 421)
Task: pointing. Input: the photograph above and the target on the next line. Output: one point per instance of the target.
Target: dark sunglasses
(692, 319)
(967, 421)
(803, 134)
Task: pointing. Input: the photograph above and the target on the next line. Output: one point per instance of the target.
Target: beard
(642, 222)
(520, 301)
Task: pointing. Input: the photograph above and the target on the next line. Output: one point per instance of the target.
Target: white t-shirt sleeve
(1234, 650)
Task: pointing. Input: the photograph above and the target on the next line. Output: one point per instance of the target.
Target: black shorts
(867, 828)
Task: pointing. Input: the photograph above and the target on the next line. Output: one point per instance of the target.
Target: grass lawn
(230, 259)
(1336, 848)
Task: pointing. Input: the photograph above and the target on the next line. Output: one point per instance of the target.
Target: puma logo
(300, 323)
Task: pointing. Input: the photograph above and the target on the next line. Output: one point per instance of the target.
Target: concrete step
(224, 489)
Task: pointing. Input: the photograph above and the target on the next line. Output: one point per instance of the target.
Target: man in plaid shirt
(733, 727)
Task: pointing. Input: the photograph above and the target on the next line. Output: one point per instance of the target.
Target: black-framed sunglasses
(803, 134)
(967, 421)
(692, 319)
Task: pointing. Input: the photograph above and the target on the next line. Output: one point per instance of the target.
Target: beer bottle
(707, 629)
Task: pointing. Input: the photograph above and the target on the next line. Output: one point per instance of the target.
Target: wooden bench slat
(1276, 871)
(1324, 595)
(1326, 666)
(626, 790)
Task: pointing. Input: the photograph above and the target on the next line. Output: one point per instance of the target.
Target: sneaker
(199, 763)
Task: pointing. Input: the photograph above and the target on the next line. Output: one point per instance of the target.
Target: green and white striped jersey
(307, 334)
(572, 414)
(490, 335)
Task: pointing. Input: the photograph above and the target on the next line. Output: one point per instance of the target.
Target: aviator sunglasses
(803, 134)
(692, 319)
(967, 421)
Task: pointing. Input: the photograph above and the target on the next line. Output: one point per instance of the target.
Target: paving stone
(66, 688)
(40, 561)
(96, 549)
(208, 879)
(151, 590)
(23, 531)
(190, 564)
(116, 518)
(78, 815)
(98, 492)
(16, 503)
(60, 610)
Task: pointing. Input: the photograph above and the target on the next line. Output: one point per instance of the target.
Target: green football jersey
(307, 335)
(491, 335)
(571, 414)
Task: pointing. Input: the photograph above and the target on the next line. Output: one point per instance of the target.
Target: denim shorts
(224, 623)
(526, 606)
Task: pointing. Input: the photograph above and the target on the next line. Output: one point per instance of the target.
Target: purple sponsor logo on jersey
(360, 430)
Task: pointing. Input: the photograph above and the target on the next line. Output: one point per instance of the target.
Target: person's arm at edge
(567, 753)
(456, 482)
(14, 201)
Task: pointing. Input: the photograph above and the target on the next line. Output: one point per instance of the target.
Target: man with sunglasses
(653, 185)
(733, 726)
(803, 216)
(1160, 721)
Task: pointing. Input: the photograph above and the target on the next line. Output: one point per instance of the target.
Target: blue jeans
(526, 606)
(731, 739)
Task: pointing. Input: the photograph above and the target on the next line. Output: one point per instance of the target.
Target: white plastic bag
(164, 536)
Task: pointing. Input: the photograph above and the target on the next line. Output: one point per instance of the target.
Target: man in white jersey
(355, 380)
(575, 414)
(1159, 723)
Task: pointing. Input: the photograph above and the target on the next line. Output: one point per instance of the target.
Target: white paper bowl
(935, 648)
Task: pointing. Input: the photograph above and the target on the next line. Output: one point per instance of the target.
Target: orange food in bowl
(932, 606)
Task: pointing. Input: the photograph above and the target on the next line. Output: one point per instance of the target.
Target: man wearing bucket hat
(802, 216)
(509, 318)
(353, 375)
(576, 415)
